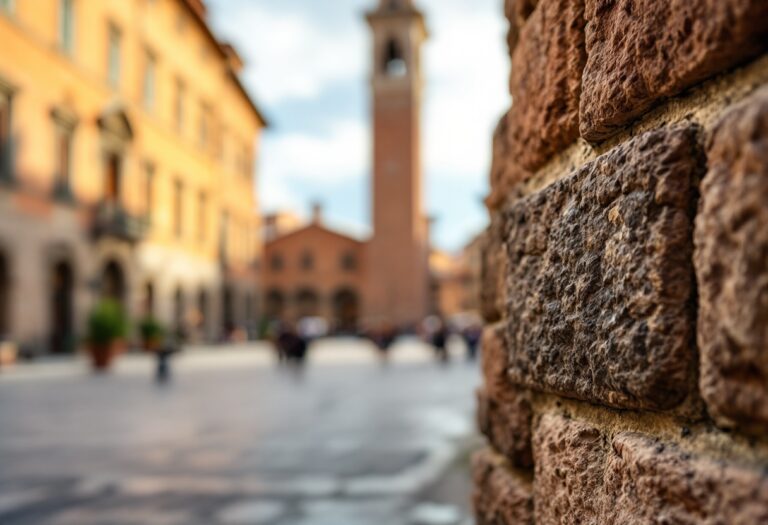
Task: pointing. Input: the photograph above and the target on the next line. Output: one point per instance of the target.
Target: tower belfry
(398, 252)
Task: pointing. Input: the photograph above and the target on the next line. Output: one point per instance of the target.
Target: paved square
(236, 440)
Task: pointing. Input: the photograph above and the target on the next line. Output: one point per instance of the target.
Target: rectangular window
(224, 236)
(112, 179)
(203, 136)
(5, 136)
(150, 67)
(179, 105)
(202, 212)
(65, 158)
(66, 26)
(178, 197)
(114, 56)
(149, 190)
(7, 6)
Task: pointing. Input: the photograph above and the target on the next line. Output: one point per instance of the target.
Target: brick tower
(398, 274)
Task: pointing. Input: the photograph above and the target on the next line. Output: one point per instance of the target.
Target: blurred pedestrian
(292, 346)
(440, 342)
(471, 335)
(384, 338)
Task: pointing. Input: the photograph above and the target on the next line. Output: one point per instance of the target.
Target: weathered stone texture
(649, 482)
(494, 359)
(505, 419)
(732, 268)
(641, 51)
(569, 458)
(546, 82)
(601, 277)
(501, 497)
(505, 173)
(585, 476)
(492, 273)
(517, 12)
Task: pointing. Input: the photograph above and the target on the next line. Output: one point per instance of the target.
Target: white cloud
(466, 94)
(298, 50)
(341, 153)
(291, 55)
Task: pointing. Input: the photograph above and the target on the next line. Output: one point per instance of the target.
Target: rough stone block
(494, 359)
(517, 12)
(641, 51)
(732, 268)
(600, 279)
(505, 419)
(584, 476)
(493, 269)
(501, 497)
(546, 82)
(569, 457)
(651, 482)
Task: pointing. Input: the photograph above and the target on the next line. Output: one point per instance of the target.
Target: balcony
(111, 220)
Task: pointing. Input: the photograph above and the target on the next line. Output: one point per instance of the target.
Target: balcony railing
(111, 220)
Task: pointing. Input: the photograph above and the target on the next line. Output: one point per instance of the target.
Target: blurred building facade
(455, 281)
(128, 151)
(315, 271)
(311, 269)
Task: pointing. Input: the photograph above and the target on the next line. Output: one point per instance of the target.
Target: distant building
(318, 271)
(278, 224)
(456, 281)
(390, 281)
(127, 148)
(315, 271)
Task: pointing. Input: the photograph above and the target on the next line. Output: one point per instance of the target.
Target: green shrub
(151, 329)
(107, 323)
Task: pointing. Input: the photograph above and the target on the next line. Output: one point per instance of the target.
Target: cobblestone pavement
(235, 440)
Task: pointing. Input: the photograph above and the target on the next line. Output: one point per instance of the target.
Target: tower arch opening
(394, 64)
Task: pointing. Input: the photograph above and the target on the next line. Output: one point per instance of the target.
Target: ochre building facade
(625, 271)
(128, 152)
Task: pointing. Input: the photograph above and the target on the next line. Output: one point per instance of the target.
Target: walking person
(440, 342)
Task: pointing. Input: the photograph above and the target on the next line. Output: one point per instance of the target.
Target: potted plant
(107, 330)
(152, 333)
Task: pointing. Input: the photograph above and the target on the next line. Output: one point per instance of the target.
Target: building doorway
(275, 305)
(149, 299)
(113, 283)
(307, 304)
(5, 297)
(62, 308)
(179, 314)
(227, 311)
(202, 310)
(346, 310)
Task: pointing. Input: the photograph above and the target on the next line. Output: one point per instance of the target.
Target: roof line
(203, 23)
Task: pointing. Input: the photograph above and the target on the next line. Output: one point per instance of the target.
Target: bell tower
(398, 271)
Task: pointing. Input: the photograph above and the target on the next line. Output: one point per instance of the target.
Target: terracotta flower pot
(103, 355)
(151, 345)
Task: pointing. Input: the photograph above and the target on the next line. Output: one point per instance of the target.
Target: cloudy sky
(307, 65)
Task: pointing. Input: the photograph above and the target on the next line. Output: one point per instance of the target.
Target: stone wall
(625, 269)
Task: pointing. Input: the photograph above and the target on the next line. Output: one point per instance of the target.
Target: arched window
(276, 262)
(394, 60)
(348, 262)
(307, 261)
(307, 303)
(275, 304)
